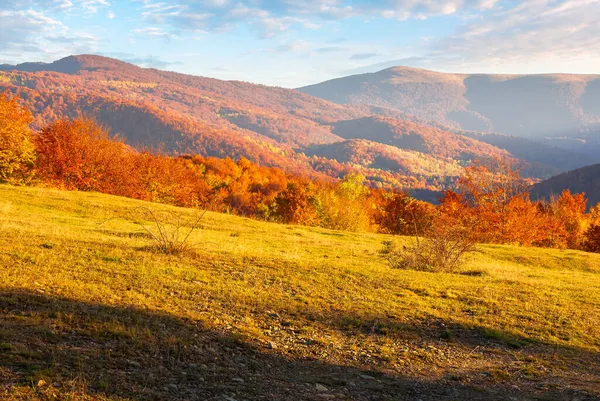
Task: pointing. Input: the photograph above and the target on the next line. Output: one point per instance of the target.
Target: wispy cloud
(153, 33)
(527, 37)
(87, 6)
(92, 6)
(144, 61)
(275, 16)
(31, 31)
(541, 31)
(330, 49)
(293, 47)
(363, 56)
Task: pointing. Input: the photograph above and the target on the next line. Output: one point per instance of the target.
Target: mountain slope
(533, 106)
(586, 179)
(179, 113)
(385, 157)
(410, 136)
(209, 100)
(271, 126)
(461, 146)
(188, 114)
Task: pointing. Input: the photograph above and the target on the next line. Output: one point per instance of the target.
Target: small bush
(439, 251)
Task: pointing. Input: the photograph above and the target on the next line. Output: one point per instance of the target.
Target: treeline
(490, 204)
(493, 205)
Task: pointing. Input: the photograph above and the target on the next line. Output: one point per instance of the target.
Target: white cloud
(32, 35)
(152, 33)
(20, 30)
(295, 46)
(541, 31)
(270, 18)
(88, 7)
(190, 20)
(532, 36)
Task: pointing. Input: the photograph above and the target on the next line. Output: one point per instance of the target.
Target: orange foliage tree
(398, 213)
(491, 204)
(17, 152)
(498, 196)
(297, 204)
(164, 179)
(571, 222)
(80, 155)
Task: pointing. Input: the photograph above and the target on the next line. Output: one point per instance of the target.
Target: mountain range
(560, 109)
(414, 129)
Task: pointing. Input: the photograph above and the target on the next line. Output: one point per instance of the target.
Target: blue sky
(292, 43)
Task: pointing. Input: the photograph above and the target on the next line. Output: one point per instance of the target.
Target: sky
(291, 43)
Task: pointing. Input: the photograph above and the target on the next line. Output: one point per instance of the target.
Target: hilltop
(531, 106)
(258, 310)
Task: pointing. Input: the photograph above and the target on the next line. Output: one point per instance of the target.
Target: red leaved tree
(80, 155)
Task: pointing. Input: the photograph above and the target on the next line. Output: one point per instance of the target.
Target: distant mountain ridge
(272, 126)
(72, 65)
(530, 106)
(535, 152)
(586, 179)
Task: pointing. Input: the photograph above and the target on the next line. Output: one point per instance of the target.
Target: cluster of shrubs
(490, 203)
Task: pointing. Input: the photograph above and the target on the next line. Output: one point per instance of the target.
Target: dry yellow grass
(264, 311)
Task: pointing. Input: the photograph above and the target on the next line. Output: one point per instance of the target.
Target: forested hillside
(183, 114)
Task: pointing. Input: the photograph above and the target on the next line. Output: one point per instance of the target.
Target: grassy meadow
(261, 311)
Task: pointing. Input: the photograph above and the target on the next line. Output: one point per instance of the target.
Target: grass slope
(274, 312)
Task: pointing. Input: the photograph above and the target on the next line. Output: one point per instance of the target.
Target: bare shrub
(441, 249)
(169, 231)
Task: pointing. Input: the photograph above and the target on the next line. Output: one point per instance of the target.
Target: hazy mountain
(271, 126)
(461, 146)
(410, 136)
(535, 152)
(530, 106)
(586, 179)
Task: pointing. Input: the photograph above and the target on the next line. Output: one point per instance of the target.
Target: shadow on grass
(78, 350)
(556, 359)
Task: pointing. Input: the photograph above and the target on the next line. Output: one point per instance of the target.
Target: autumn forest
(490, 201)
